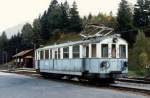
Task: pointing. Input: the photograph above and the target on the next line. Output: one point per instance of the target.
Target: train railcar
(100, 58)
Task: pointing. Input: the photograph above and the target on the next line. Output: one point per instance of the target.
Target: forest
(62, 22)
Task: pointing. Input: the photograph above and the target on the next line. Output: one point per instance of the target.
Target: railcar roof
(64, 44)
(78, 42)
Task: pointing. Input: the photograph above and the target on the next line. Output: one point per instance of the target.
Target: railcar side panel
(65, 66)
(93, 65)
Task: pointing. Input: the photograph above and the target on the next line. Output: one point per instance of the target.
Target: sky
(14, 12)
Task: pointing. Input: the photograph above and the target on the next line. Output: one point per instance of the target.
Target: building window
(46, 54)
(76, 51)
(41, 55)
(93, 50)
(104, 50)
(66, 52)
(113, 51)
(122, 51)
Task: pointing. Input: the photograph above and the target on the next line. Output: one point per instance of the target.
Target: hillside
(64, 37)
(14, 30)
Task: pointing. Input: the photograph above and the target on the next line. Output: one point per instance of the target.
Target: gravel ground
(19, 86)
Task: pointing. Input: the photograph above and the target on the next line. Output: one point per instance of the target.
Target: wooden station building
(24, 58)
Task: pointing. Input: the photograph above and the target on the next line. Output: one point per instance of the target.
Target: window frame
(66, 52)
(102, 54)
(46, 54)
(50, 54)
(58, 53)
(41, 55)
(125, 54)
(115, 50)
(93, 56)
(76, 54)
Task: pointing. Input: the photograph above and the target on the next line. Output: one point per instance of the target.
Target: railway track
(117, 85)
(133, 88)
(133, 84)
(134, 80)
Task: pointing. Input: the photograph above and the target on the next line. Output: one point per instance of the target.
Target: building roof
(22, 53)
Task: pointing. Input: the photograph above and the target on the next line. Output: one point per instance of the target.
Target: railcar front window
(76, 51)
(46, 54)
(66, 52)
(113, 51)
(122, 51)
(41, 55)
(104, 50)
(93, 50)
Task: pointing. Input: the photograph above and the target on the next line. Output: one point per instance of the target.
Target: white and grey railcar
(105, 58)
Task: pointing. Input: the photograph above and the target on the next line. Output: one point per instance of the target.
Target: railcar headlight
(125, 65)
(104, 64)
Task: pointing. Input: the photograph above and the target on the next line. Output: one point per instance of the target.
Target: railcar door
(85, 55)
(86, 51)
(38, 64)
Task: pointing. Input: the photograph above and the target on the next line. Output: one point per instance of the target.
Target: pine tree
(27, 34)
(142, 13)
(44, 27)
(124, 17)
(37, 40)
(3, 48)
(54, 16)
(3, 41)
(53, 5)
(75, 21)
(90, 16)
(139, 56)
(125, 20)
(65, 17)
(50, 20)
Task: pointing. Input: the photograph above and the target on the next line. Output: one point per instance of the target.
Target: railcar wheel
(45, 75)
(69, 77)
(58, 76)
(81, 79)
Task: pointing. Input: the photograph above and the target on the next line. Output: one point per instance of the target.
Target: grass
(137, 73)
(7, 65)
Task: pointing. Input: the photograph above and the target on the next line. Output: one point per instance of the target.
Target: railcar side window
(66, 52)
(113, 51)
(41, 55)
(59, 53)
(93, 50)
(50, 54)
(122, 51)
(104, 51)
(55, 54)
(46, 54)
(76, 51)
(87, 51)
